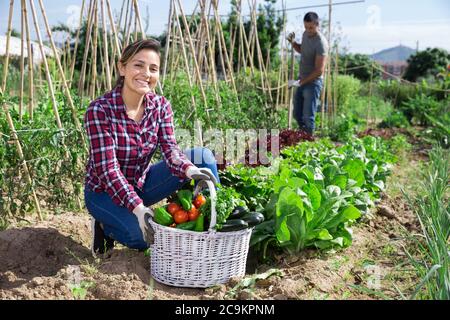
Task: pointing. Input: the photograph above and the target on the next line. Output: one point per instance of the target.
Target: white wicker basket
(184, 258)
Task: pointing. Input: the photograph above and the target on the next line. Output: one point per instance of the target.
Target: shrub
(347, 90)
(395, 119)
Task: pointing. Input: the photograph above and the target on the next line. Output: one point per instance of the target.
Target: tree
(426, 63)
(360, 66)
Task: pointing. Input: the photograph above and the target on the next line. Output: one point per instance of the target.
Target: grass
(431, 259)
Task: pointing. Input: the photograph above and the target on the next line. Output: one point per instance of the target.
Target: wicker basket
(184, 258)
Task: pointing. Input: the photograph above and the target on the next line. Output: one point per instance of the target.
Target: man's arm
(319, 69)
(297, 47)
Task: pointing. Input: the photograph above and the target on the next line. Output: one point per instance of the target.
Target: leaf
(333, 191)
(289, 216)
(340, 181)
(379, 184)
(355, 170)
(313, 195)
(351, 213)
(307, 173)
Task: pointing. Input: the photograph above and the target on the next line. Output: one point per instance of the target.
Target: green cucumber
(233, 225)
(190, 225)
(163, 217)
(253, 218)
(199, 223)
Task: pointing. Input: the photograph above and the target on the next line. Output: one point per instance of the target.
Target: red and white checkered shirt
(121, 149)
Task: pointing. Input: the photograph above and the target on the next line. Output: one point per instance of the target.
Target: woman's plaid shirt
(121, 149)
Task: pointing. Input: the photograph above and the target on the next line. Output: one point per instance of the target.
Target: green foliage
(430, 204)
(348, 88)
(227, 199)
(249, 112)
(426, 63)
(359, 108)
(57, 175)
(396, 119)
(313, 193)
(79, 291)
(360, 66)
(416, 109)
(396, 92)
(398, 144)
(343, 128)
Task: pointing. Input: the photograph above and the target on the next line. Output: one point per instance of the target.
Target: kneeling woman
(124, 127)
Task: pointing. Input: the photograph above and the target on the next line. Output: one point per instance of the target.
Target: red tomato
(173, 207)
(180, 216)
(199, 201)
(193, 213)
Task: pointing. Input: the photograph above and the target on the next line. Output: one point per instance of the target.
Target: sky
(366, 27)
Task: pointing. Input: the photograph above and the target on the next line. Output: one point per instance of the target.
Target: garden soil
(51, 259)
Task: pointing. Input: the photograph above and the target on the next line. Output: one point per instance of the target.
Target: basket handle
(213, 197)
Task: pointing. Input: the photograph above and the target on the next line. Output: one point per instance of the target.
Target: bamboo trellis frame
(199, 53)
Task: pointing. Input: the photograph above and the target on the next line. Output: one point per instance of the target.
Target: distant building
(14, 49)
(393, 60)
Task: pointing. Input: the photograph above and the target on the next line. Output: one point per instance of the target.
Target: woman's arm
(175, 159)
(104, 159)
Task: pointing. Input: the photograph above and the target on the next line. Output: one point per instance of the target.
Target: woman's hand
(143, 214)
(196, 173)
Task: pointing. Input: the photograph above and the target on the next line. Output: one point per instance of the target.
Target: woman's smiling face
(141, 73)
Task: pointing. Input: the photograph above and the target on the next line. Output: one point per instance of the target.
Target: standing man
(313, 50)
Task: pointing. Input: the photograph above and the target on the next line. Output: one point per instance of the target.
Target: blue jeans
(122, 225)
(306, 100)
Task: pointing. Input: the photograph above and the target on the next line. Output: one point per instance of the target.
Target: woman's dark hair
(132, 49)
(311, 17)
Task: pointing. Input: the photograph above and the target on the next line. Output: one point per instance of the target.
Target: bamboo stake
(329, 98)
(197, 70)
(202, 42)
(227, 58)
(280, 72)
(113, 27)
(370, 96)
(47, 70)
(135, 37)
(247, 47)
(138, 16)
(101, 84)
(211, 55)
(259, 54)
(174, 62)
(233, 36)
(173, 49)
(22, 62)
(241, 39)
(186, 62)
(16, 140)
(30, 62)
(81, 84)
(291, 92)
(105, 46)
(61, 71)
(92, 92)
(168, 39)
(77, 39)
(124, 33)
(8, 37)
(335, 93)
(127, 41)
